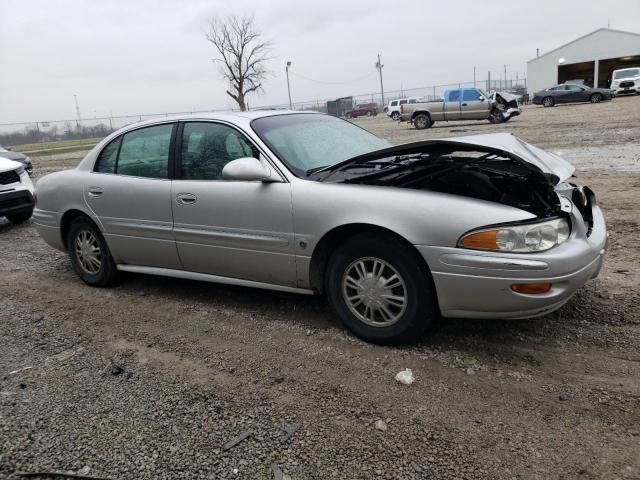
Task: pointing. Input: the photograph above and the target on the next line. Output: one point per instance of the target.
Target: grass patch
(61, 146)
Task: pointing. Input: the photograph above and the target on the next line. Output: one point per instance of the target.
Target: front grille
(627, 84)
(7, 178)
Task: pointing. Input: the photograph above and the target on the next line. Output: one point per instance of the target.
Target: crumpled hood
(545, 161)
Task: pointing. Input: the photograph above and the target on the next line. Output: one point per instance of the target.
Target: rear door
(576, 93)
(130, 194)
(238, 229)
(452, 101)
(473, 105)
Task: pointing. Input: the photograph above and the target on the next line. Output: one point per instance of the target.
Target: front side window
(470, 96)
(207, 147)
(394, 103)
(307, 142)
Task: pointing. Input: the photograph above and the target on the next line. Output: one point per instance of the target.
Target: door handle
(95, 191)
(464, 104)
(186, 198)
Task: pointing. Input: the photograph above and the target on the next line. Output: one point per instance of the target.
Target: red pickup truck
(368, 109)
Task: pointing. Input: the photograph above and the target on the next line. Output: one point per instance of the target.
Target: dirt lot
(551, 398)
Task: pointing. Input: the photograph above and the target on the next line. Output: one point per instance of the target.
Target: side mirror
(481, 98)
(247, 169)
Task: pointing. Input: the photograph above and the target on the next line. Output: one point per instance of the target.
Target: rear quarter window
(106, 162)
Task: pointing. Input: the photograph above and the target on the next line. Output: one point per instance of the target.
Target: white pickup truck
(462, 104)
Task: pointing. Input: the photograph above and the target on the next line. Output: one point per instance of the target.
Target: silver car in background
(486, 226)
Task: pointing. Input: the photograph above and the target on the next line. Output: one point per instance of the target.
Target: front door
(238, 229)
(474, 105)
(130, 194)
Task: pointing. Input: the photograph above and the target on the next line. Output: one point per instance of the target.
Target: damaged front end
(495, 168)
(507, 104)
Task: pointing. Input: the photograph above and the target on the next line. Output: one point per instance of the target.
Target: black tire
(495, 116)
(422, 121)
(369, 113)
(395, 115)
(595, 98)
(506, 119)
(421, 309)
(107, 272)
(20, 217)
(348, 115)
(548, 102)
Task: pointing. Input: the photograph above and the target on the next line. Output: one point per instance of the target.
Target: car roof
(222, 115)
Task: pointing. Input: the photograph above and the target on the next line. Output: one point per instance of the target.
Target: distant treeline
(66, 131)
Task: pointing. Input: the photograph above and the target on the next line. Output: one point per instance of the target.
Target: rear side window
(454, 96)
(145, 152)
(107, 159)
(402, 102)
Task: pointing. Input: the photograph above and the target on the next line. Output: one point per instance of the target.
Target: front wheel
(369, 113)
(89, 253)
(395, 115)
(381, 289)
(496, 116)
(548, 102)
(596, 98)
(422, 121)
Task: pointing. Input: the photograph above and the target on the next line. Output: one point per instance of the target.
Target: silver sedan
(397, 237)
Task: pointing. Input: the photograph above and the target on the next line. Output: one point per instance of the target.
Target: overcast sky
(149, 56)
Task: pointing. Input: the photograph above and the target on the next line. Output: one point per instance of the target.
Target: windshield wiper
(313, 170)
(395, 161)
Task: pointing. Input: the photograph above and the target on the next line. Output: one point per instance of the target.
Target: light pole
(379, 66)
(288, 86)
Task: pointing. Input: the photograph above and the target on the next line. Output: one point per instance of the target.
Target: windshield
(306, 142)
(633, 72)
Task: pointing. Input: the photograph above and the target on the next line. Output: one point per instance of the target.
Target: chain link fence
(37, 134)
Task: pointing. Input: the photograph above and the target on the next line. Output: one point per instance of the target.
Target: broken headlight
(523, 238)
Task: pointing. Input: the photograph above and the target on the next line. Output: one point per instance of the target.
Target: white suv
(626, 80)
(393, 109)
(16, 192)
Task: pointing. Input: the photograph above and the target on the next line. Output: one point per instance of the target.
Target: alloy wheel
(88, 252)
(374, 292)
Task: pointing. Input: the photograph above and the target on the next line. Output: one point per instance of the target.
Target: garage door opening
(607, 67)
(577, 71)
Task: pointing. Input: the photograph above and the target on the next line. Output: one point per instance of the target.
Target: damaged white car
(396, 236)
(462, 104)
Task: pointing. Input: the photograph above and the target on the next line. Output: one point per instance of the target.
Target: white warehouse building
(591, 58)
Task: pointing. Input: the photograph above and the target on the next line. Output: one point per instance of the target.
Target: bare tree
(242, 54)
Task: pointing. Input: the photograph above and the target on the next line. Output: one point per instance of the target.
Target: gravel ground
(151, 378)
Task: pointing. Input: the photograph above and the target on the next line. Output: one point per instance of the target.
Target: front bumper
(14, 202)
(477, 284)
(622, 91)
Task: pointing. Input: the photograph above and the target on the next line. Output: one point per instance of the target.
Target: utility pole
(288, 86)
(474, 75)
(379, 66)
(505, 76)
(75, 99)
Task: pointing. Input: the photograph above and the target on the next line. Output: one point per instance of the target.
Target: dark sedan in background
(17, 157)
(571, 93)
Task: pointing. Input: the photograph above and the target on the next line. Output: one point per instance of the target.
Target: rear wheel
(422, 121)
(20, 217)
(381, 290)
(548, 102)
(89, 253)
(596, 98)
(348, 115)
(395, 115)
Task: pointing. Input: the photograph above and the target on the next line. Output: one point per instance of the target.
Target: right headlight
(523, 238)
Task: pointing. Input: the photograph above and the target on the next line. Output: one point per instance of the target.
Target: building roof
(582, 37)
